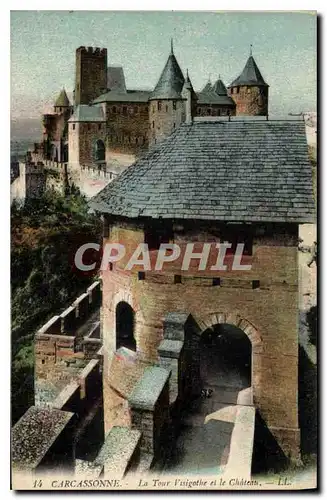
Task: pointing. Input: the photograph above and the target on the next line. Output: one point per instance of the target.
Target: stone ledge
(170, 348)
(35, 433)
(149, 387)
(117, 451)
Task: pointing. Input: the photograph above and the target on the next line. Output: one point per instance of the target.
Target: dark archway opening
(222, 362)
(100, 151)
(225, 360)
(125, 326)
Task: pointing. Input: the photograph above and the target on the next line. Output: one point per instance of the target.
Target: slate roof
(219, 87)
(86, 113)
(62, 100)
(128, 96)
(186, 87)
(237, 170)
(212, 98)
(207, 87)
(250, 75)
(116, 78)
(171, 81)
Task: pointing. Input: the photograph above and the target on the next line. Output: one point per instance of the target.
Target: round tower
(250, 91)
(166, 103)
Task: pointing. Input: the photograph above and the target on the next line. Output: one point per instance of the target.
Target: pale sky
(43, 45)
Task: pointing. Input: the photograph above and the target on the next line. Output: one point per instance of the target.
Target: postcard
(163, 250)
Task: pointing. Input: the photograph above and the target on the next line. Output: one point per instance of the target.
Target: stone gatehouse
(240, 181)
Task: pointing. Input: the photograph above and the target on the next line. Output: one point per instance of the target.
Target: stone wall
(59, 343)
(275, 276)
(127, 127)
(215, 110)
(164, 117)
(31, 182)
(250, 100)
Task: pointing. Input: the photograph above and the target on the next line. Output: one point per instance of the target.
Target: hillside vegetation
(45, 234)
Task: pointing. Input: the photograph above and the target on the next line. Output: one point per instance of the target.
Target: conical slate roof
(250, 75)
(219, 87)
(188, 86)
(171, 81)
(62, 100)
(207, 87)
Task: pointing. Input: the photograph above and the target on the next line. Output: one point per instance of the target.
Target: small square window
(141, 275)
(216, 282)
(255, 284)
(177, 279)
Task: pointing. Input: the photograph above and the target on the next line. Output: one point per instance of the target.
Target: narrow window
(166, 108)
(114, 110)
(209, 111)
(141, 275)
(159, 105)
(88, 126)
(73, 126)
(99, 126)
(152, 124)
(255, 284)
(174, 105)
(238, 90)
(125, 110)
(174, 125)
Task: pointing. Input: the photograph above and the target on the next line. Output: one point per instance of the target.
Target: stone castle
(119, 375)
(108, 126)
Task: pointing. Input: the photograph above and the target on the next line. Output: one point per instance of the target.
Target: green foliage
(45, 234)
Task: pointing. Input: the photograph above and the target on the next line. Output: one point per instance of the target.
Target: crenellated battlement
(92, 51)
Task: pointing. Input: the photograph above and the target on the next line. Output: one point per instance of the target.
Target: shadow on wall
(312, 324)
(307, 405)
(267, 454)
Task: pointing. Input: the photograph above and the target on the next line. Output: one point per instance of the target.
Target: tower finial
(251, 49)
(171, 46)
(187, 77)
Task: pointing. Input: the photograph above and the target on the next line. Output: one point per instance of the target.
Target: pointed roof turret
(219, 87)
(250, 75)
(188, 86)
(62, 100)
(171, 80)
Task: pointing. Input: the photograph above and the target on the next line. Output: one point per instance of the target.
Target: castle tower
(166, 103)
(62, 102)
(91, 74)
(190, 100)
(249, 91)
